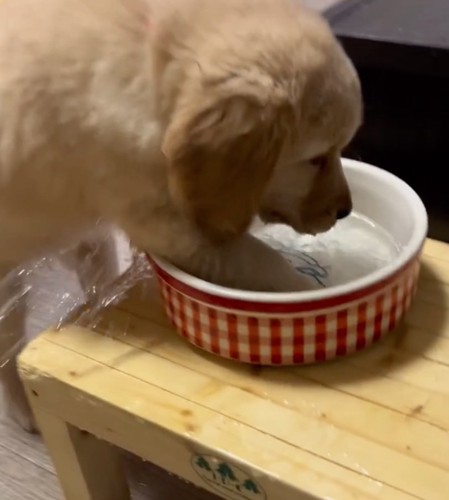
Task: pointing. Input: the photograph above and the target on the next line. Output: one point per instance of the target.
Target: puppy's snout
(344, 207)
(344, 201)
(342, 213)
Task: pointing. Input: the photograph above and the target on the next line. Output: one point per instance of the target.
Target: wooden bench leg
(87, 468)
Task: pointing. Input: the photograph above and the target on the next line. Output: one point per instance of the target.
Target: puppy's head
(261, 111)
(308, 189)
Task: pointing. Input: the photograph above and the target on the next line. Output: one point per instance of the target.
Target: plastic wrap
(75, 284)
(71, 284)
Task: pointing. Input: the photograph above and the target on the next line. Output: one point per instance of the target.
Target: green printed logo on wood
(227, 479)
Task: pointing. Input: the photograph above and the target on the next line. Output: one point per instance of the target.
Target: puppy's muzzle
(344, 204)
(342, 213)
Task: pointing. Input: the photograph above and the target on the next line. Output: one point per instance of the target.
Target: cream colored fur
(178, 120)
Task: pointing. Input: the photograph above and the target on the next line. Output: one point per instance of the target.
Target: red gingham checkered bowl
(311, 326)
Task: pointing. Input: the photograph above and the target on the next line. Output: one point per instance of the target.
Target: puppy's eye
(319, 161)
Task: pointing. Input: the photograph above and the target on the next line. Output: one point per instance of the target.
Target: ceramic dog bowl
(363, 275)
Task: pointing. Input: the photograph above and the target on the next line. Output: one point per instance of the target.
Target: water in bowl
(355, 247)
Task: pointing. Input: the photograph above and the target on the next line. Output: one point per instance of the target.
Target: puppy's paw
(267, 270)
(279, 278)
(289, 281)
(245, 264)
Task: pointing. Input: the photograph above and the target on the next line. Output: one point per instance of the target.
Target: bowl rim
(406, 255)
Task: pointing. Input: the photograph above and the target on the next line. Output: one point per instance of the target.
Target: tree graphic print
(250, 485)
(204, 464)
(226, 473)
(227, 477)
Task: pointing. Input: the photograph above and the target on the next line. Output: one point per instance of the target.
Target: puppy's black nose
(343, 213)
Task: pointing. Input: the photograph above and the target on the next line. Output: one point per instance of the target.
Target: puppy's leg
(245, 263)
(94, 260)
(98, 262)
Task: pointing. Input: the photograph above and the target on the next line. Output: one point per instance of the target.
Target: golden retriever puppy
(178, 120)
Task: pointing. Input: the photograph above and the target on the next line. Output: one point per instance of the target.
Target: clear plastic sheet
(72, 284)
(75, 284)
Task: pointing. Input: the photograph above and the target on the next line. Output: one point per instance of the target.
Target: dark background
(401, 51)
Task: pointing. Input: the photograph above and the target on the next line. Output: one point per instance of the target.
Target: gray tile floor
(26, 472)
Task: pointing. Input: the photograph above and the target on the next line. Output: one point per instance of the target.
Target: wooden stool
(374, 425)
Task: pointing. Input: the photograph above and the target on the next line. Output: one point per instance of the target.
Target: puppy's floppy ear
(221, 156)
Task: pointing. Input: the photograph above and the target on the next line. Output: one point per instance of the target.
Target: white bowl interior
(392, 205)
(378, 195)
